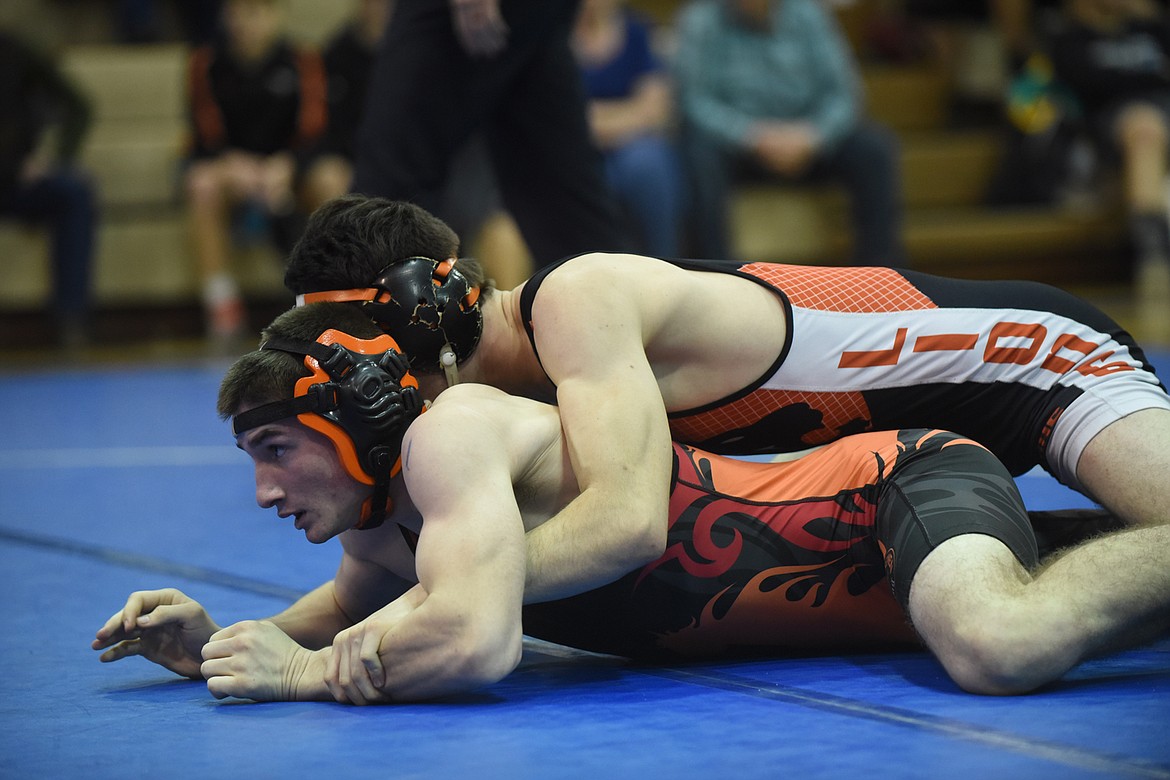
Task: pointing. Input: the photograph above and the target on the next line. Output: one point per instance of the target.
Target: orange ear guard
(361, 396)
(356, 465)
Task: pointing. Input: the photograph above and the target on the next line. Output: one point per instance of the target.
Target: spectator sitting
(1115, 57)
(44, 122)
(257, 106)
(630, 105)
(348, 57)
(768, 89)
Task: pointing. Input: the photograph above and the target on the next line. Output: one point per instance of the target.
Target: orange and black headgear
(361, 396)
(426, 305)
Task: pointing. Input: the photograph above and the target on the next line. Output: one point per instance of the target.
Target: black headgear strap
(363, 398)
(320, 398)
(428, 306)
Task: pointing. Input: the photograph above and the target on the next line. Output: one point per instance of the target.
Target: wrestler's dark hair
(349, 240)
(264, 376)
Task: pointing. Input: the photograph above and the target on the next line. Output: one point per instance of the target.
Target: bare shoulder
(600, 306)
(466, 407)
(606, 274)
(470, 403)
(477, 425)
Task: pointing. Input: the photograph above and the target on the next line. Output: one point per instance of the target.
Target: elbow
(462, 667)
(481, 663)
(640, 545)
(636, 536)
(648, 544)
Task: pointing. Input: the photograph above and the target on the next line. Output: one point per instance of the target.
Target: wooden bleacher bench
(948, 230)
(143, 257)
(133, 151)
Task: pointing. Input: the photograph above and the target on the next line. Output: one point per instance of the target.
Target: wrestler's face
(299, 474)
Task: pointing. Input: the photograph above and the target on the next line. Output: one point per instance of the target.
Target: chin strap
(376, 507)
(447, 361)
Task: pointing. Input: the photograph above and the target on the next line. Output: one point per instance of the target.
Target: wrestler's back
(707, 334)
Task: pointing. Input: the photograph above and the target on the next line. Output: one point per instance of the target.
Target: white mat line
(122, 457)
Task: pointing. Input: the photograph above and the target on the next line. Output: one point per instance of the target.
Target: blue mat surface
(124, 479)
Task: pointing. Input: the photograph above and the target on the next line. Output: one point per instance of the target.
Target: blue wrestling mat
(124, 479)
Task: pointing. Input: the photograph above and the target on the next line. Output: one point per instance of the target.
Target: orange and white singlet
(1029, 371)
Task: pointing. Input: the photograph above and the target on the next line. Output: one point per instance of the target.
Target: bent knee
(968, 602)
(203, 182)
(983, 659)
(1141, 125)
(997, 653)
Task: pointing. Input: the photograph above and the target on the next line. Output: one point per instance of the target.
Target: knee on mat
(994, 655)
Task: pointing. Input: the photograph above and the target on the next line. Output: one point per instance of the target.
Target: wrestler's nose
(268, 492)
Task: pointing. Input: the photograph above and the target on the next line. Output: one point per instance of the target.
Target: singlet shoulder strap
(532, 286)
(528, 296)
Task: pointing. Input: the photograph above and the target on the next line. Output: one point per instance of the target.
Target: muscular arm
(460, 627)
(314, 619)
(615, 424)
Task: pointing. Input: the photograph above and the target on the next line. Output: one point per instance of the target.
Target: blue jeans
(646, 177)
(866, 162)
(63, 201)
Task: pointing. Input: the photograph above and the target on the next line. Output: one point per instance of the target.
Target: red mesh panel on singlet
(861, 290)
(837, 409)
(853, 290)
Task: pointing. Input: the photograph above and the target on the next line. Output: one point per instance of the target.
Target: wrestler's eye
(277, 451)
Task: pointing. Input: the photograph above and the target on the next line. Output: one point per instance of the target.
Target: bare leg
(1141, 133)
(1126, 467)
(1142, 136)
(207, 213)
(502, 251)
(328, 178)
(999, 630)
(209, 199)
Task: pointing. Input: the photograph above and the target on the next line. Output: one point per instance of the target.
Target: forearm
(728, 125)
(593, 542)
(647, 110)
(442, 648)
(314, 619)
(309, 673)
(613, 121)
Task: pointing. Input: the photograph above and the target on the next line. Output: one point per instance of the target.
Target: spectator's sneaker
(225, 319)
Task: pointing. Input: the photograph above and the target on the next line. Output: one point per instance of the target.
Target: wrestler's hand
(480, 27)
(355, 673)
(163, 626)
(253, 659)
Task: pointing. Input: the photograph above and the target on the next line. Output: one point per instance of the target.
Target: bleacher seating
(143, 257)
(133, 151)
(946, 175)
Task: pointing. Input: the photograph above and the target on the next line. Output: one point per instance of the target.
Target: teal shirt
(729, 76)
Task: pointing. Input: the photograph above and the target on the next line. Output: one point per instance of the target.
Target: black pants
(65, 203)
(427, 96)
